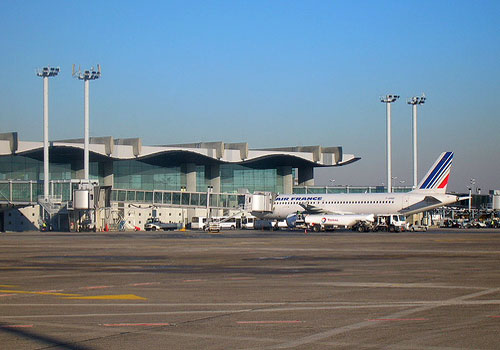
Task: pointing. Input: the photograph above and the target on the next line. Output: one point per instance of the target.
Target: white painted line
(267, 322)
(134, 324)
(356, 326)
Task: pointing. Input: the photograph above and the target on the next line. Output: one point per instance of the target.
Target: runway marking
(52, 291)
(393, 285)
(398, 319)
(279, 306)
(241, 278)
(267, 322)
(196, 312)
(6, 295)
(187, 281)
(17, 326)
(7, 286)
(314, 338)
(134, 324)
(143, 284)
(95, 287)
(108, 297)
(39, 293)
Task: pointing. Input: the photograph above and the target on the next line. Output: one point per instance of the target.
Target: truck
(329, 222)
(154, 224)
(390, 223)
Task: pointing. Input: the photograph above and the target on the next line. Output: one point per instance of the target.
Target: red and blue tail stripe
(437, 177)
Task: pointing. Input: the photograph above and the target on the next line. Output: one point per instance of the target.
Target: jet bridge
(262, 202)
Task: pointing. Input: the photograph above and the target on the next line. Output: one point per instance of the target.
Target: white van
(200, 223)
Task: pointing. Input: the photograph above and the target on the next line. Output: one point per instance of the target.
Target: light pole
(209, 190)
(472, 184)
(388, 99)
(415, 101)
(45, 73)
(86, 76)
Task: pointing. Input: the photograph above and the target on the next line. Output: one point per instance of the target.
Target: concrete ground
(436, 290)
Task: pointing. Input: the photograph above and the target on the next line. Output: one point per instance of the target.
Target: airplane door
(406, 202)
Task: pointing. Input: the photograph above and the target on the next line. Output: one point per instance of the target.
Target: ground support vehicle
(475, 224)
(154, 224)
(213, 226)
(328, 222)
(390, 223)
(226, 222)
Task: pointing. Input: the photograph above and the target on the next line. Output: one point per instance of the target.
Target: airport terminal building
(136, 181)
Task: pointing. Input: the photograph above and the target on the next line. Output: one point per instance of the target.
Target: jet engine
(291, 220)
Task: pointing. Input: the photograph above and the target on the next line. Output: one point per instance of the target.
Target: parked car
(154, 224)
(452, 224)
(414, 228)
(475, 224)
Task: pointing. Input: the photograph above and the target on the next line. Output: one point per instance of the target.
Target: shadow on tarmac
(52, 342)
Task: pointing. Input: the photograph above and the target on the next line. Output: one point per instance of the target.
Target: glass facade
(29, 169)
(347, 189)
(138, 175)
(201, 181)
(235, 177)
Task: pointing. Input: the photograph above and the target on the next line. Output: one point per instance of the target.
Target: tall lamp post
(415, 101)
(388, 99)
(86, 76)
(46, 73)
(472, 184)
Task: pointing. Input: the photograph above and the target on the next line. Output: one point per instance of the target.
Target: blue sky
(272, 73)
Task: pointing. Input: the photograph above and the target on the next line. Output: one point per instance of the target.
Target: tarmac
(437, 290)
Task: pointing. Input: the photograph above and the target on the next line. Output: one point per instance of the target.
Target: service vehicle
(390, 223)
(154, 224)
(475, 224)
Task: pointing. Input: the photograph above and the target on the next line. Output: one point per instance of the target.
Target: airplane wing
(312, 209)
(427, 203)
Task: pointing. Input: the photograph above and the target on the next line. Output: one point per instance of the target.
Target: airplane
(429, 194)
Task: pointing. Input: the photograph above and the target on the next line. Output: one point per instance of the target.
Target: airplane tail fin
(436, 179)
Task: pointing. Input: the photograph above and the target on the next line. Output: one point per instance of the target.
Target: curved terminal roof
(202, 153)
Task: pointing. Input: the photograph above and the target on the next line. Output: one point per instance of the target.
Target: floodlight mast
(415, 101)
(45, 73)
(388, 99)
(86, 76)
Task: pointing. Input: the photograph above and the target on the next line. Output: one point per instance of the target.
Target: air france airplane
(429, 194)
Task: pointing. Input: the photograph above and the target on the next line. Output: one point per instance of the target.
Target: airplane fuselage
(358, 203)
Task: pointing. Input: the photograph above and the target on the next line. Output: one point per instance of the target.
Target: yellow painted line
(39, 293)
(109, 297)
(7, 286)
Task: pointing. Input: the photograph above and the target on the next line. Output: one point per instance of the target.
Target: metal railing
(51, 204)
(179, 198)
(26, 192)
